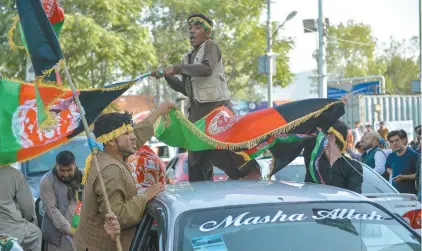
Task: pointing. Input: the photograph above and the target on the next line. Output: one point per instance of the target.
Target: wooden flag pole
(93, 151)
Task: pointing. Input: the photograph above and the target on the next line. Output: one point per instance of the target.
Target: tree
(102, 41)
(351, 51)
(401, 61)
(237, 29)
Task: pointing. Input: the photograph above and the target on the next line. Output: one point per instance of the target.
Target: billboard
(339, 90)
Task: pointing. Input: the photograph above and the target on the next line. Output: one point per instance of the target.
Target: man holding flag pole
(204, 83)
(113, 130)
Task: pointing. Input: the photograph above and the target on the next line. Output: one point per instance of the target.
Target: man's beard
(124, 152)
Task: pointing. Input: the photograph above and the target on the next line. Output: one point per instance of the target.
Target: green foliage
(101, 40)
(401, 65)
(351, 52)
(12, 63)
(347, 59)
(107, 40)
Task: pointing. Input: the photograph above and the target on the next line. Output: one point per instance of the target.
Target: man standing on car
(335, 169)
(401, 164)
(204, 83)
(60, 190)
(17, 209)
(120, 140)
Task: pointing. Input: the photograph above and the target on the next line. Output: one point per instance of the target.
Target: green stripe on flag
(177, 134)
(9, 96)
(314, 154)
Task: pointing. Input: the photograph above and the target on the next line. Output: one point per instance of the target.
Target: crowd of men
(390, 154)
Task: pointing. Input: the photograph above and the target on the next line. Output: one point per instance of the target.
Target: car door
(151, 231)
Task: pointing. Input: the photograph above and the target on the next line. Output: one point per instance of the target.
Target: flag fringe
(250, 143)
(60, 65)
(11, 32)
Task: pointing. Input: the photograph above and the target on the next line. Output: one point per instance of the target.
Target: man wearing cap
(204, 83)
(334, 168)
(120, 140)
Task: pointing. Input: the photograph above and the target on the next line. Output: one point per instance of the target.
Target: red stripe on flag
(35, 142)
(54, 13)
(241, 129)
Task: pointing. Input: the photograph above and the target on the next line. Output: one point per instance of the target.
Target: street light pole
(322, 68)
(269, 56)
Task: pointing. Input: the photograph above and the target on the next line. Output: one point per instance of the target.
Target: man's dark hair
(418, 128)
(368, 126)
(358, 145)
(382, 123)
(65, 158)
(403, 134)
(206, 18)
(342, 129)
(106, 123)
(394, 133)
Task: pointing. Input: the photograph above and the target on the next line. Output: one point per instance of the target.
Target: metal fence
(372, 108)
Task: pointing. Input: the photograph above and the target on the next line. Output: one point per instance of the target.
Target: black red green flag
(21, 138)
(281, 129)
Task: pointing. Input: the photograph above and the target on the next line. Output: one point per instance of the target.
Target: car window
(294, 227)
(45, 162)
(372, 183)
(185, 165)
(171, 164)
(161, 151)
(218, 171)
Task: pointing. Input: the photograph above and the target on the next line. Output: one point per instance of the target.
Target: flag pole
(93, 150)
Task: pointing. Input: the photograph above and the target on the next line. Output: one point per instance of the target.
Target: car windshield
(46, 161)
(372, 183)
(294, 227)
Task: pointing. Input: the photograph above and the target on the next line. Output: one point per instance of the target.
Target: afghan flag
(280, 129)
(21, 139)
(41, 43)
(320, 145)
(55, 15)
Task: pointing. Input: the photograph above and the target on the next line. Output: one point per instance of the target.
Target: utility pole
(322, 68)
(269, 56)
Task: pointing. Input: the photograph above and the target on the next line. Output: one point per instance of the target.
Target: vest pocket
(206, 89)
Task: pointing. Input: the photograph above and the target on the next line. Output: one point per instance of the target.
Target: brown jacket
(124, 201)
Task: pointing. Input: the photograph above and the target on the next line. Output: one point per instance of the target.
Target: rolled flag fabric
(22, 138)
(279, 129)
(320, 145)
(147, 168)
(42, 45)
(55, 15)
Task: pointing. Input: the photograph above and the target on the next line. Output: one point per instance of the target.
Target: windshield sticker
(209, 243)
(318, 214)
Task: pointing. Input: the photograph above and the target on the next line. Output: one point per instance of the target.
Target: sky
(396, 18)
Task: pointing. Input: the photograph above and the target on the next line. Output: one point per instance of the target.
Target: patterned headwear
(201, 19)
(340, 137)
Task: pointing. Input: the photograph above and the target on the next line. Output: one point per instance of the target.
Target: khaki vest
(207, 89)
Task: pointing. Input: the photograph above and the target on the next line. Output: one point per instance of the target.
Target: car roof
(197, 195)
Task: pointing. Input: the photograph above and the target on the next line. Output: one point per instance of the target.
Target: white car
(374, 187)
